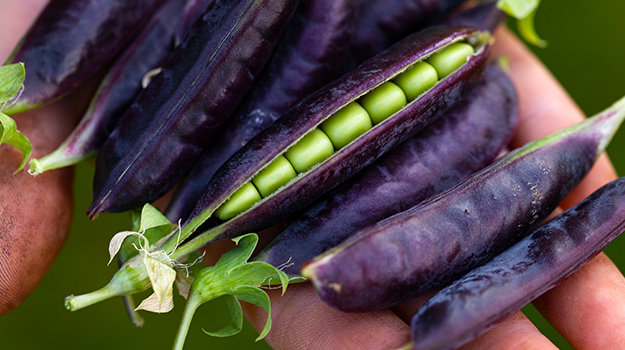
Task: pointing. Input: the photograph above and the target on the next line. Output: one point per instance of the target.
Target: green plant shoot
(11, 82)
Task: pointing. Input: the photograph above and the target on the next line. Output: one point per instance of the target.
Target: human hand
(35, 213)
(586, 309)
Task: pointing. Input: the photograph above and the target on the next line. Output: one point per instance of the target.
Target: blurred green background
(586, 54)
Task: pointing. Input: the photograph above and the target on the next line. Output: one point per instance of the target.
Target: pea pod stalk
(162, 133)
(314, 41)
(119, 88)
(297, 123)
(70, 41)
(494, 291)
(445, 236)
(467, 138)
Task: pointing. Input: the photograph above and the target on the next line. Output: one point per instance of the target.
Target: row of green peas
(345, 125)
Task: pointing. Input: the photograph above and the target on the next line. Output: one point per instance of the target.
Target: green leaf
(239, 254)
(233, 276)
(518, 9)
(258, 297)
(11, 80)
(259, 272)
(236, 317)
(10, 135)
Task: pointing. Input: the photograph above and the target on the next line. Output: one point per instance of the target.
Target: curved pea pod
(163, 132)
(70, 41)
(268, 149)
(304, 60)
(118, 89)
(467, 138)
(417, 250)
(302, 123)
(494, 291)
(381, 23)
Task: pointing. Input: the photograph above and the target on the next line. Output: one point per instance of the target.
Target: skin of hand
(35, 213)
(587, 308)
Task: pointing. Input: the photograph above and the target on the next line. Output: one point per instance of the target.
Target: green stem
(130, 279)
(187, 315)
(74, 303)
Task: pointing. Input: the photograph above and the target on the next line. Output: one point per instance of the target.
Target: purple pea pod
(483, 16)
(163, 132)
(304, 60)
(428, 245)
(465, 139)
(303, 123)
(193, 10)
(306, 117)
(119, 88)
(494, 291)
(70, 41)
(381, 23)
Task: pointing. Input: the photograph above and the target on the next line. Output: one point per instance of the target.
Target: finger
(515, 333)
(544, 108)
(588, 308)
(35, 213)
(15, 17)
(301, 320)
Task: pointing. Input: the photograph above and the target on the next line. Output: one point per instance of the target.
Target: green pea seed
(313, 148)
(346, 124)
(276, 174)
(417, 79)
(450, 58)
(240, 201)
(383, 101)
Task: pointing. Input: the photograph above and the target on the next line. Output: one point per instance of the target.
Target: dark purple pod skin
(483, 16)
(193, 10)
(382, 23)
(428, 245)
(158, 139)
(122, 84)
(70, 41)
(465, 139)
(304, 61)
(494, 291)
(309, 113)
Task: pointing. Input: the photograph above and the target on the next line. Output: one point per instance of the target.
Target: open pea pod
(281, 142)
(321, 154)
(317, 39)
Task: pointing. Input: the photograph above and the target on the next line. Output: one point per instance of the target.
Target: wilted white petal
(152, 304)
(161, 276)
(116, 242)
(184, 285)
